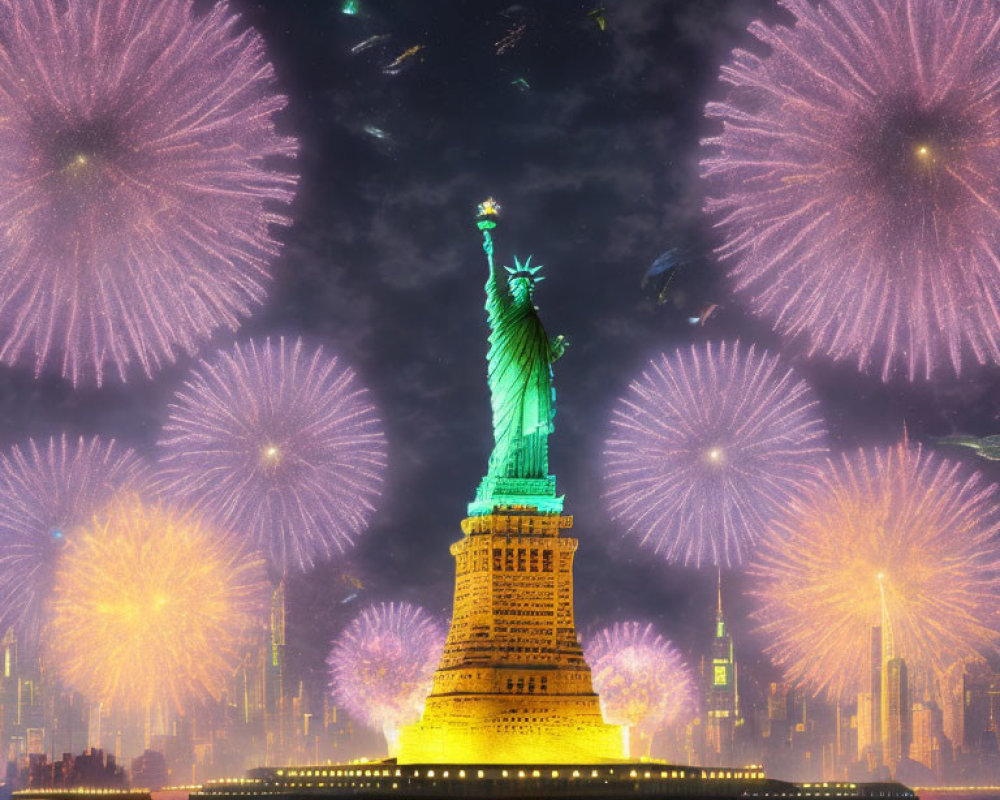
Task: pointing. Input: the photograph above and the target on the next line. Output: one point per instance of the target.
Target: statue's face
(522, 287)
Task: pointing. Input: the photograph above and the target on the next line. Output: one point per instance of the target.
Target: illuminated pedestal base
(513, 685)
(505, 730)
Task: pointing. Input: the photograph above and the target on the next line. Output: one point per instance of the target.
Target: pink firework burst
(47, 490)
(279, 443)
(137, 185)
(382, 665)
(706, 447)
(891, 537)
(641, 678)
(856, 181)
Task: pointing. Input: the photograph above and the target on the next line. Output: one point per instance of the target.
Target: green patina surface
(519, 372)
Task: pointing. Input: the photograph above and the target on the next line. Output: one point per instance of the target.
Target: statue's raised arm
(486, 220)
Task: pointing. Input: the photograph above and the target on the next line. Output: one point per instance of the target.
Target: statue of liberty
(519, 372)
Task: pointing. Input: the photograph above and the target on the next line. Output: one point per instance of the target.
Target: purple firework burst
(382, 665)
(642, 679)
(280, 444)
(706, 447)
(856, 181)
(47, 489)
(137, 189)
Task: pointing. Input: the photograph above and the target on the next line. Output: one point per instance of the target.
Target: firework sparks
(857, 180)
(150, 608)
(382, 666)
(136, 201)
(642, 680)
(706, 447)
(279, 443)
(920, 530)
(46, 490)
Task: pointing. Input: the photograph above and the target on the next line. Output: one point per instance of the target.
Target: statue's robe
(520, 379)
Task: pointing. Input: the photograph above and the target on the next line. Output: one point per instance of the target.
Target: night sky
(596, 168)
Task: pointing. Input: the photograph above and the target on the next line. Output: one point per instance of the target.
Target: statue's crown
(525, 270)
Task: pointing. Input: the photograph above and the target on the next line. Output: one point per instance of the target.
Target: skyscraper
(721, 693)
(273, 678)
(979, 685)
(895, 717)
(895, 714)
(870, 703)
(23, 720)
(927, 736)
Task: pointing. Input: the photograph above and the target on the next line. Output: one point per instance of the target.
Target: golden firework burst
(150, 606)
(896, 538)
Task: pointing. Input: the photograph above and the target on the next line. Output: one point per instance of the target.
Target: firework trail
(46, 490)
(641, 678)
(135, 199)
(382, 665)
(857, 180)
(927, 526)
(278, 443)
(706, 447)
(150, 608)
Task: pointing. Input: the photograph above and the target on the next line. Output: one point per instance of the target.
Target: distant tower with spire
(895, 693)
(721, 693)
(272, 676)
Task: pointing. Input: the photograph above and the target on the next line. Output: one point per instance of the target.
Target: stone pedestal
(513, 685)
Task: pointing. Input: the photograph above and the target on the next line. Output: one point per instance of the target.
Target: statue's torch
(487, 213)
